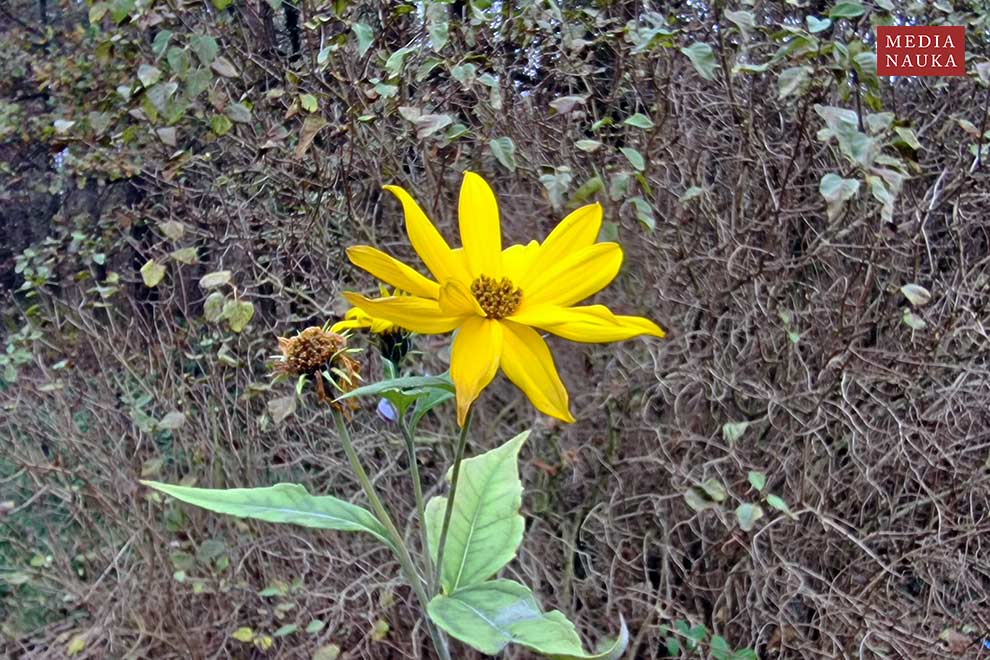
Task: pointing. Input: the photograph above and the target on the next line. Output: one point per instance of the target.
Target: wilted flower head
(322, 355)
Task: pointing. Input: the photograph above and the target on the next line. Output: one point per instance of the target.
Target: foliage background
(154, 143)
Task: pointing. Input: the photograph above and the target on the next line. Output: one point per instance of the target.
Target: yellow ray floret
(494, 298)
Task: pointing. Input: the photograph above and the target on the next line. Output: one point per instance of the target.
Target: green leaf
(238, 314)
(916, 294)
(287, 629)
(587, 190)
(703, 58)
(97, 12)
(757, 480)
(328, 652)
(747, 515)
(437, 25)
(504, 150)
(393, 65)
(732, 431)
(644, 212)
(365, 37)
(486, 527)
(215, 279)
(816, 25)
(213, 307)
(639, 120)
(847, 10)
(222, 4)
(778, 503)
(837, 191)
(491, 615)
(152, 273)
(148, 74)
(588, 145)
(315, 626)
(634, 157)
(913, 321)
(220, 125)
(205, 47)
(239, 112)
(714, 489)
(309, 102)
(744, 20)
(281, 503)
(791, 80)
(185, 255)
(160, 43)
(908, 137)
(243, 635)
(403, 384)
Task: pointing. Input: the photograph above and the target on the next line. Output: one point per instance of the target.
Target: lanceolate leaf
(281, 503)
(491, 615)
(485, 525)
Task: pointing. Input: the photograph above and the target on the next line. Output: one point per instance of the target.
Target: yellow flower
(495, 298)
(358, 319)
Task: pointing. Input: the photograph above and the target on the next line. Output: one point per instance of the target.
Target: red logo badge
(928, 50)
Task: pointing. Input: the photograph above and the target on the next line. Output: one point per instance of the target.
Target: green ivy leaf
(847, 10)
(779, 504)
(309, 102)
(757, 480)
(220, 125)
(589, 146)
(504, 150)
(639, 120)
(491, 615)
(703, 58)
(205, 47)
(486, 527)
(152, 273)
(213, 307)
(816, 25)
(791, 80)
(281, 503)
(837, 191)
(747, 515)
(634, 157)
(238, 314)
(365, 37)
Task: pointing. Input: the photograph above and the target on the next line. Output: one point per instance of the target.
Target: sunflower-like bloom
(496, 299)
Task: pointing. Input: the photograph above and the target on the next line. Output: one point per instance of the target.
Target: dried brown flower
(323, 356)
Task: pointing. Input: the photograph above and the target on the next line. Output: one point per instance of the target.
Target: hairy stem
(458, 458)
(408, 434)
(405, 560)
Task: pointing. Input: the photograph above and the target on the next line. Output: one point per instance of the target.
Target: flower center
(499, 298)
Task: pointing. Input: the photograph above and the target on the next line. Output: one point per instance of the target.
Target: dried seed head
(324, 356)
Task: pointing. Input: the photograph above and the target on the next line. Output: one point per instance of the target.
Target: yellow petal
(573, 278)
(427, 241)
(456, 299)
(410, 312)
(481, 233)
(349, 324)
(578, 230)
(527, 361)
(392, 271)
(517, 260)
(595, 324)
(474, 359)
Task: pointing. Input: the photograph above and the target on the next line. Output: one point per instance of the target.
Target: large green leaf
(485, 525)
(281, 503)
(490, 615)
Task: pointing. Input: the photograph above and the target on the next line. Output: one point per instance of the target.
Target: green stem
(408, 434)
(408, 567)
(458, 458)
